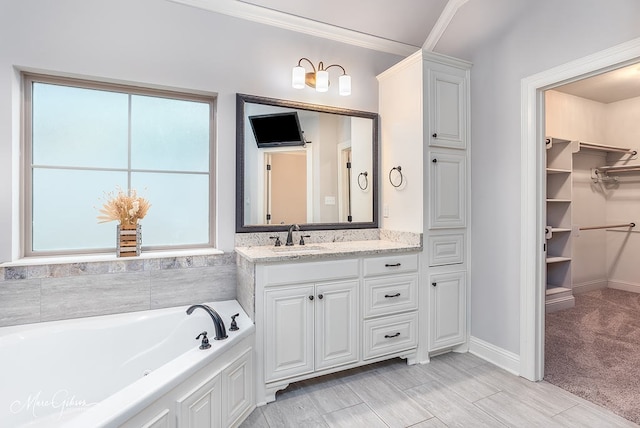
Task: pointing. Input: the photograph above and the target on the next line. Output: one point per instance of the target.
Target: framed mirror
(305, 164)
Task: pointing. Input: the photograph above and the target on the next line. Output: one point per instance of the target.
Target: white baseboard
(583, 287)
(560, 304)
(625, 286)
(495, 355)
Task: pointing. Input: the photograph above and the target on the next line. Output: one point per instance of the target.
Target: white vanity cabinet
(318, 317)
(310, 327)
(447, 189)
(447, 107)
(424, 110)
(447, 309)
(390, 304)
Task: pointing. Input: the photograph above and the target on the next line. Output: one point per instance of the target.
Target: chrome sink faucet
(221, 331)
(290, 234)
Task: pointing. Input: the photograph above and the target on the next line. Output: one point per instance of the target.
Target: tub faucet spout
(221, 331)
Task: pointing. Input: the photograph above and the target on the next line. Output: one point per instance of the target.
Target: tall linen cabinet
(424, 117)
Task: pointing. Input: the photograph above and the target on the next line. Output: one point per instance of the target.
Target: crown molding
(275, 18)
(442, 23)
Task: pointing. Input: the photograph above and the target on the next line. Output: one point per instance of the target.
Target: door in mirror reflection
(286, 189)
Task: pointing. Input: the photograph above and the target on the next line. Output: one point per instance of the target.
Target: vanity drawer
(445, 249)
(393, 263)
(391, 294)
(390, 334)
(295, 273)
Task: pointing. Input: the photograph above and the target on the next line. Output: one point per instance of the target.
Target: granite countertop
(323, 250)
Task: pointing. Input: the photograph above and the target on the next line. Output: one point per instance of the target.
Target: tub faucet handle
(205, 341)
(234, 324)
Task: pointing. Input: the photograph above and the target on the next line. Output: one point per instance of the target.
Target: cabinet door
(447, 196)
(336, 324)
(289, 314)
(200, 408)
(447, 106)
(447, 310)
(237, 387)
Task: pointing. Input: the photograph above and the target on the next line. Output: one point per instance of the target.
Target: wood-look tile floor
(453, 390)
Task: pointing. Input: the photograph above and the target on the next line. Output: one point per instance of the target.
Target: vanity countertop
(319, 251)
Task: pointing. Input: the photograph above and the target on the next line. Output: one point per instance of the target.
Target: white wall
(159, 43)
(403, 204)
(545, 34)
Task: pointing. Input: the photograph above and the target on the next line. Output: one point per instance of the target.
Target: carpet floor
(593, 350)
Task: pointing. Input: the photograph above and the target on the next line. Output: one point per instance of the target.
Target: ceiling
(401, 27)
(404, 21)
(613, 86)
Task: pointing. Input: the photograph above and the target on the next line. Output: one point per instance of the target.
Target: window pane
(168, 134)
(179, 212)
(79, 127)
(65, 207)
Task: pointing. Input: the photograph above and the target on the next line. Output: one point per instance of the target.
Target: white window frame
(27, 159)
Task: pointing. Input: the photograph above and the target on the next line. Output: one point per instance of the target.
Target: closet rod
(621, 168)
(611, 226)
(607, 148)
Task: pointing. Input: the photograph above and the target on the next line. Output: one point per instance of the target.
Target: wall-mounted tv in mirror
(277, 130)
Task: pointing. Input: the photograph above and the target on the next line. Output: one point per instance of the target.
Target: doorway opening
(592, 299)
(533, 189)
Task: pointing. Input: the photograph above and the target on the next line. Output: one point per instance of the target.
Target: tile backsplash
(47, 292)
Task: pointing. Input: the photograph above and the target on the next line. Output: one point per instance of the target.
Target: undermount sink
(296, 249)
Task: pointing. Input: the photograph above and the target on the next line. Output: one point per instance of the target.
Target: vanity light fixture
(319, 77)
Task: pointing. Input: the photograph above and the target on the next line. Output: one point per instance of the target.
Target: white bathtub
(102, 371)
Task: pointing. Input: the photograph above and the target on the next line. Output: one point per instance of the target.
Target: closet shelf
(558, 259)
(605, 148)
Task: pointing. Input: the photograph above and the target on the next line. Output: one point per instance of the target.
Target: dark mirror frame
(241, 99)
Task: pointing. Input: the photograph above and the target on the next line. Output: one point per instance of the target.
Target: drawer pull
(392, 265)
(390, 336)
(388, 296)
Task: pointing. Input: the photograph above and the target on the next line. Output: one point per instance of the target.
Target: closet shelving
(559, 167)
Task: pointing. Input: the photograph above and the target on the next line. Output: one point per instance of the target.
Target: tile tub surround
(47, 292)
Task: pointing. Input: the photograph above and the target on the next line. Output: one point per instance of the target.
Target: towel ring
(366, 181)
(399, 169)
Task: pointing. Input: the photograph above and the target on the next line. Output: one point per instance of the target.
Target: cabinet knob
(310, 297)
(320, 296)
(434, 135)
(434, 160)
(434, 283)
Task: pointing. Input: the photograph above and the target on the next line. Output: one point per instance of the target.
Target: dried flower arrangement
(125, 207)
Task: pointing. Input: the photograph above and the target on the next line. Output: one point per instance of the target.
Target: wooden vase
(129, 240)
